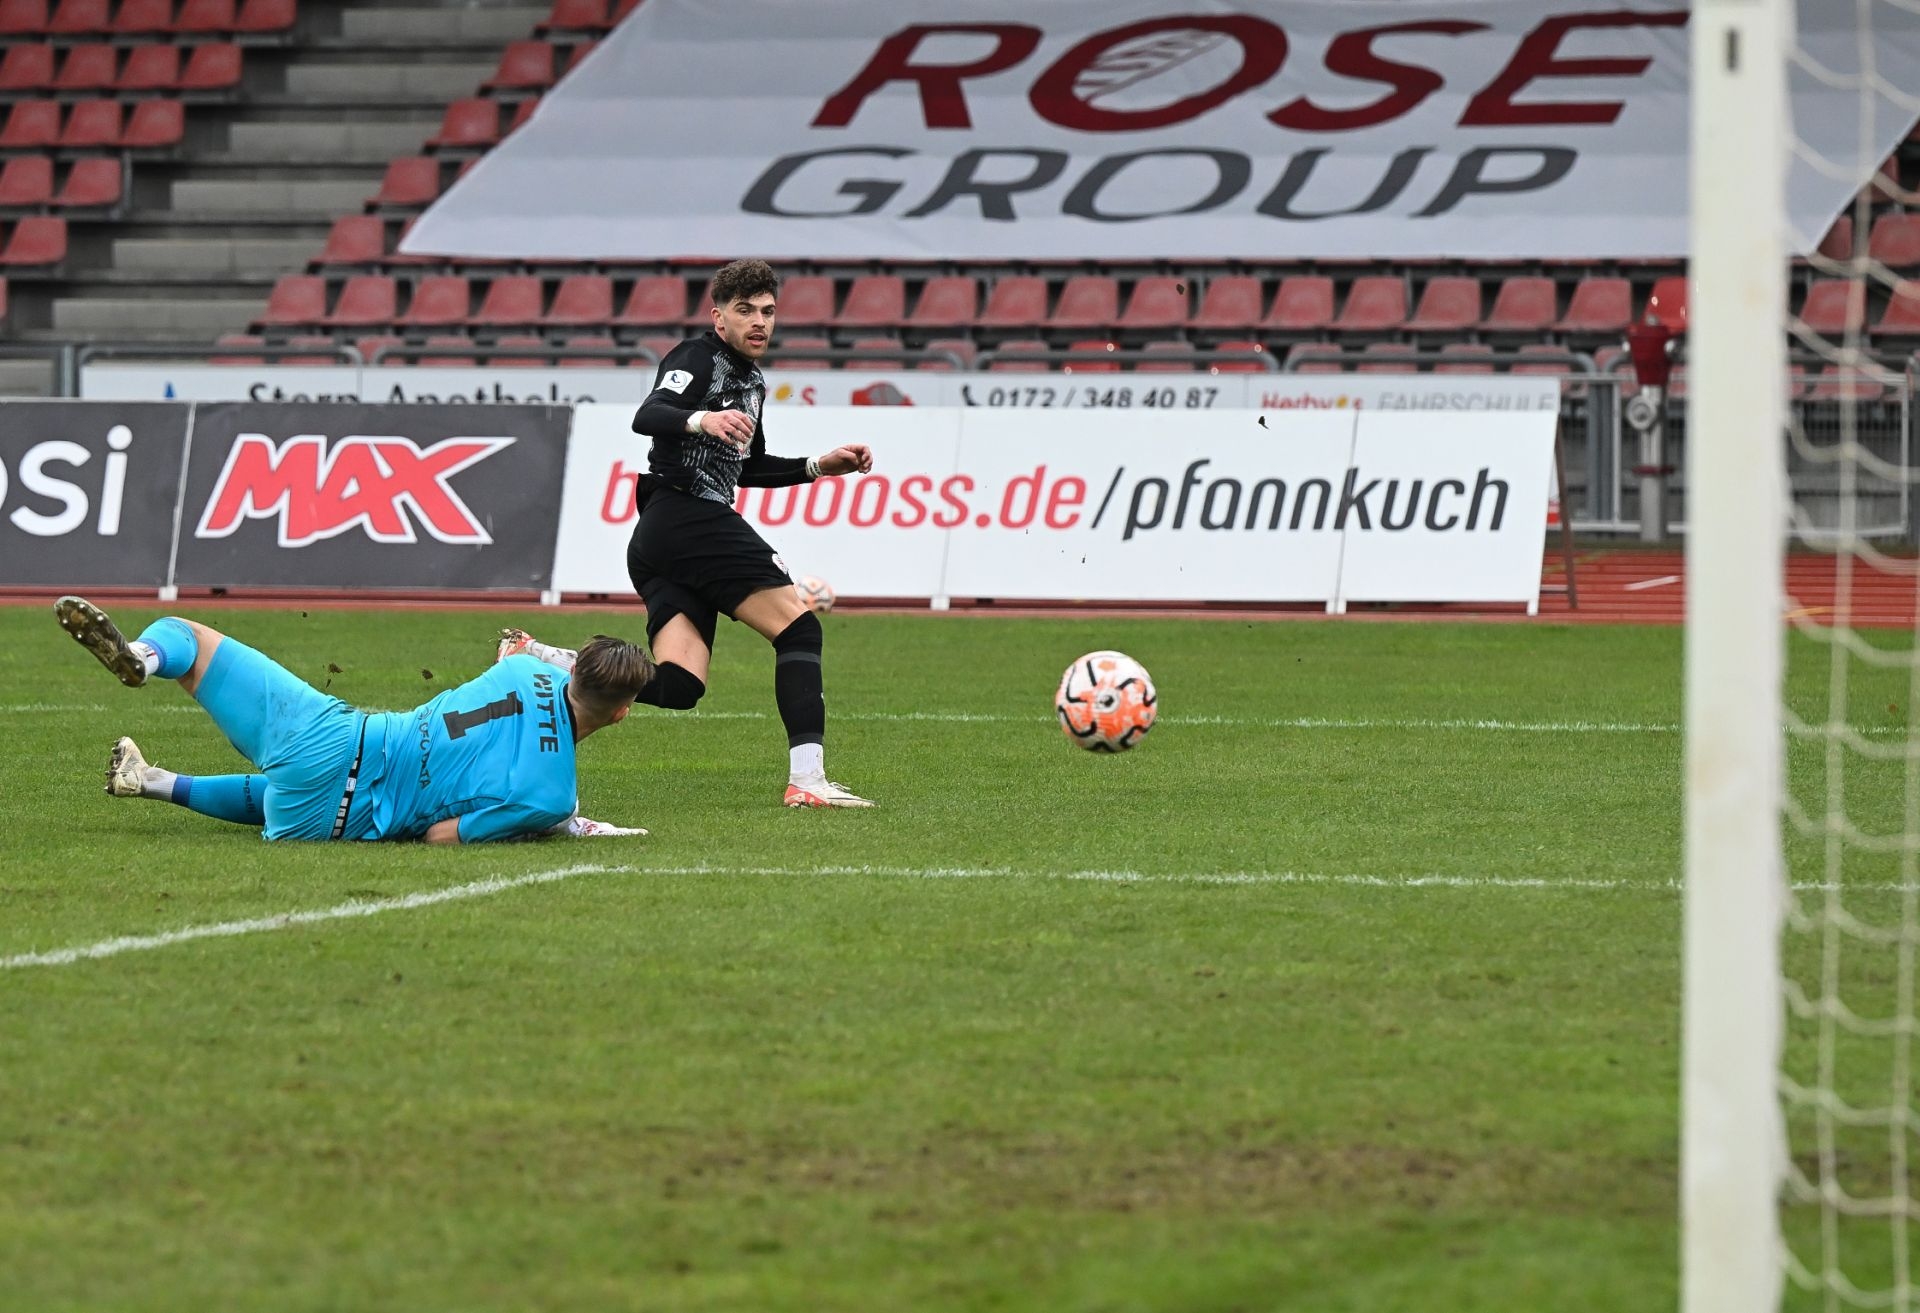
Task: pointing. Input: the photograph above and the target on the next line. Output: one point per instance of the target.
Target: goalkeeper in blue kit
(492, 759)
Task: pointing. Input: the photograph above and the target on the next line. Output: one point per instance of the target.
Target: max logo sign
(385, 486)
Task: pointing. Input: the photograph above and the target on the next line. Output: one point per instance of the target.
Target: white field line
(501, 884)
(286, 920)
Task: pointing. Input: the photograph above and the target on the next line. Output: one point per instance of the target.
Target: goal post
(1732, 1150)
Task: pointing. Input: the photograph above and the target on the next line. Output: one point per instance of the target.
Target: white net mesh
(1852, 801)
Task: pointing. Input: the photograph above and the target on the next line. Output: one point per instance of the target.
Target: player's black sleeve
(683, 380)
(760, 470)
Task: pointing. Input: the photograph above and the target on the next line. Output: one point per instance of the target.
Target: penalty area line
(287, 920)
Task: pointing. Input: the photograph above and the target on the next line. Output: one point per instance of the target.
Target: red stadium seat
(1157, 303)
(621, 8)
(511, 300)
(446, 362)
(154, 124)
(1901, 318)
(790, 353)
(962, 348)
(1019, 301)
(1238, 358)
(1895, 240)
(258, 17)
(578, 55)
(584, 299)
(702, 316)
(198, 17)
(154, 67)
(1667, 304)
(522, 112)
(23, 17)
(532, 340)
(1522, 305)
(1232, 303)
(658, 344)
(1027, 356)
(1556, 362)
(1387, 358)
(805, 301)
(144, 18)
(37, 240)
(1092, 357)
(355, 239)
(94, 123)
(214, 67)
(1846, 383)
(1170, 357)
(1465, 358)
(1835, 306)
(655, 300)
(410, 182)
(1315, 358)
(89, 68)
(26, 67)
(1447, 305)
(296, 299)
(92, 183)
(877, 362)
(80, 18)
(524, 65)
(367, 301)
(949, 301)
(439, 300)
(26, 182)
(1838, 243)
(238, 340)
(322, 358)
(472, 123)
(1376, 303)
(575, 16)
(373, 344)
(1087, 301)
(588, 362)
(31, 124)
(875, 301)
(1303, 305)
(1599, 305)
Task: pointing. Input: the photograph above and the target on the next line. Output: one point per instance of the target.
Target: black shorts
(697, 558)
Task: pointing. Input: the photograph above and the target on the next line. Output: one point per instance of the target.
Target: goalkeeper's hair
(743, 280)
(609, 673)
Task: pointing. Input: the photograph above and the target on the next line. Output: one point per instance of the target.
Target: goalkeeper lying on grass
(491, 759)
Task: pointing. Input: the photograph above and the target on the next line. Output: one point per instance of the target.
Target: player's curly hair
(743, 280)
(608, 673)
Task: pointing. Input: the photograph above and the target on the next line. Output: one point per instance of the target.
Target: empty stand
(1375, 304)
(1232, 303)
(1523, 305)
(1302, 305)
(874, 301)
(1157, 303)
(1447, 305)
(1087, 301)
(584, 300)
(949, 301)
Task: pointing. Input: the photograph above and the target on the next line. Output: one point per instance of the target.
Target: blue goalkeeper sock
(241, 799)
(173, 645)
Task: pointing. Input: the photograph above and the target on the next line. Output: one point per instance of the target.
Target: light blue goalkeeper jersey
(497, 752)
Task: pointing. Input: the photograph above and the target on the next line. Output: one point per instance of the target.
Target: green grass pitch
(1011, 1041)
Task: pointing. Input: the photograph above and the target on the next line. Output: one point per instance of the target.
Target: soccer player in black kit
(693, 557)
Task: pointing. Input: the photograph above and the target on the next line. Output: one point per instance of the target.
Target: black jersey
(704, 373)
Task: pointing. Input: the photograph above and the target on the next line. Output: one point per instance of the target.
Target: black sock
(798, 687)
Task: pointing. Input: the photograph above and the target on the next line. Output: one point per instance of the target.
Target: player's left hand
(581, 827)
(853, 458)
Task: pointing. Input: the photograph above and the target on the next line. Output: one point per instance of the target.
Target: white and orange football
(816, 592)
(1106, 702)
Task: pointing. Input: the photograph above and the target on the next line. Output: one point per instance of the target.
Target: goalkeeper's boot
(819, 791)
(93, 630)
(126, 770)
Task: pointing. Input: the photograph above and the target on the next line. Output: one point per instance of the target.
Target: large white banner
(788, 388)
(1315, 506)
(990, 129)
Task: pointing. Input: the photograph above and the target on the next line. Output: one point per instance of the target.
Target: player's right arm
(672, 409)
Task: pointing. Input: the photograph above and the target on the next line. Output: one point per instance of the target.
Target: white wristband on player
(813, 467)
(694, 420)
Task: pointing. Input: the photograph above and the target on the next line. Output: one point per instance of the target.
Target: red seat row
(20, 18)
(27, 182)
(155, 67)
(585, 15)
(473, 123)
(533, 66)
(36, 241)
(93, 124)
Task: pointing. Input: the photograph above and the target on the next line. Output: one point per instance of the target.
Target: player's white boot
(93, 630)
(126, 770)
(819, 791)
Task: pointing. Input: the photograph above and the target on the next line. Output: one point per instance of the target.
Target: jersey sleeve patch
(676, 380)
